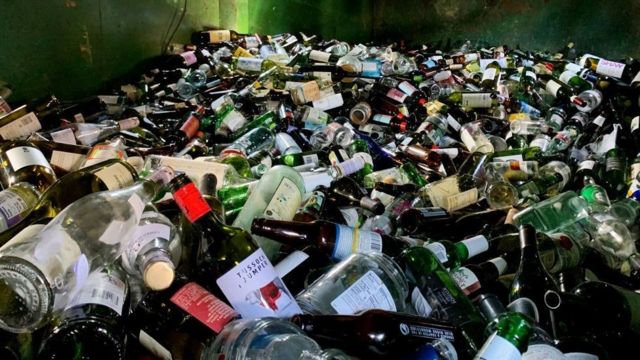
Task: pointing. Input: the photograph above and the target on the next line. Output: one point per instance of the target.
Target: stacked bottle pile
(272, 197)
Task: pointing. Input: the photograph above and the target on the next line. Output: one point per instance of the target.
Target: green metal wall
(71, 48)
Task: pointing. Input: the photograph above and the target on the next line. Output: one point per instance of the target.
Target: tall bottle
(277, 196)
(91, 326)
(89, 133)
(24, 162)
(179, 322)
(435, 294)
(109, 175)
(376, 333)
(40, 272)
(532, 280)
(242, 271)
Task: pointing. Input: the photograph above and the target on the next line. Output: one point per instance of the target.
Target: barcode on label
(106, 295)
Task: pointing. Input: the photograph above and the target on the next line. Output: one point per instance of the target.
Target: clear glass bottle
(340, 290)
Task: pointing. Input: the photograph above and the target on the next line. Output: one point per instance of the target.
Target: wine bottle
(313, 207)
(24, 162)
(509, 340)
(376, 333)
(345, 192)
(108, 175)
(91, 326)
(112, 149)
(453, 254)
(179, 322)
(62, 157)
(152, 253)
(532, 280)
(276, 196)
(428, 221)
(242, 271)
(299, 269)
(83, 236)
(435, 294)
(472, 278)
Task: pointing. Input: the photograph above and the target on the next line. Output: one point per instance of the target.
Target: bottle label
(599, 120)
(613, 163)
(556, 120)
(350, 216)
(115, 176)
(310, 91)
(319, 56)
(101, 289)
(425, 332)
(316, 117)
(407, 88)
(368, 292)
(461, 200)
(21, 128)
(350, 240)
(202, 305)
(310, 159)
(66, 161)
(250, 64)
(635, 123)
(285, 201)
(329, 102)
(191, 202)
(64, 136)
(216, 36)
(439, 251)
(610, 68)
(78, 118)
(382, 119)
(397, 95)
(455, 125)
(129, 123)
(542, 352)
(579, 356)
(566, 76)
(292, 261)
(351, 166)
(489, 74)
(234, 120)
(189, 57)
(476, 245)
(420, 303)
(553, 87)
(466, 280)
(497, 347)
(587, 165)
(11, 208)
(254, 290)
(371, 68)
(23, 156)
(145, 234)
(482, 100)
(154, 347)
(103, 152)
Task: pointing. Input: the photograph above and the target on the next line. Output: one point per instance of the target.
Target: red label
(191, 202)
(191, 126)
(203, 306)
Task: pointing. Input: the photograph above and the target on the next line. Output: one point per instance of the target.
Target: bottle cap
(159, 275)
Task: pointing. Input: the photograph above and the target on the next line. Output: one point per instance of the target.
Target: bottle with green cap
(510, 339)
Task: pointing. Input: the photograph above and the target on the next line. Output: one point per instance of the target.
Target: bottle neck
(296, 234)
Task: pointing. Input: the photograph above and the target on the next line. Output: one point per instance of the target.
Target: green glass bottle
(614, 175)
(595, 195)
(297, 159)
(435, 294)
(532, 280)
(409, 170)
(267, 120)
(453, 254)
(510, 339)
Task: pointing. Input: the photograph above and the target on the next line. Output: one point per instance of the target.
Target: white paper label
(195, 169)
(23, 156)
(489, 74)
(64, 136)
(154, 347)
(471, 100)
(78, 118)
(407, 88)
(352, 240)
(542, 352)
(635, 123)
(310, 159)
(254, 290)
(497, 347)
(439, 251)
(553, 87)
(250, 64)
(234, 120)
(397, 95)
(466, 280)
(286, 265)
(137, 205)
(329, 102)
(350, 216)
(461, 200)
(455, 125)
(115, 176)
(285, 201)
(21, 128)
(599, 120)
(368, 292)
(66, 161)
(11, 206)
(420, 303)
(587, 165)
(320, 56)
(101, 289)
(610, 68)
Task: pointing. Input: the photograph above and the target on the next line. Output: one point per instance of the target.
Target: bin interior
(73, 48)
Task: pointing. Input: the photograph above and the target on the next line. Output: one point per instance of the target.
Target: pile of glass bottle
(469, 202)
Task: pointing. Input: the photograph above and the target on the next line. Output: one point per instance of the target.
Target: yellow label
(434, 107)
(242, 52)
(518, 116)
(216, 36)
